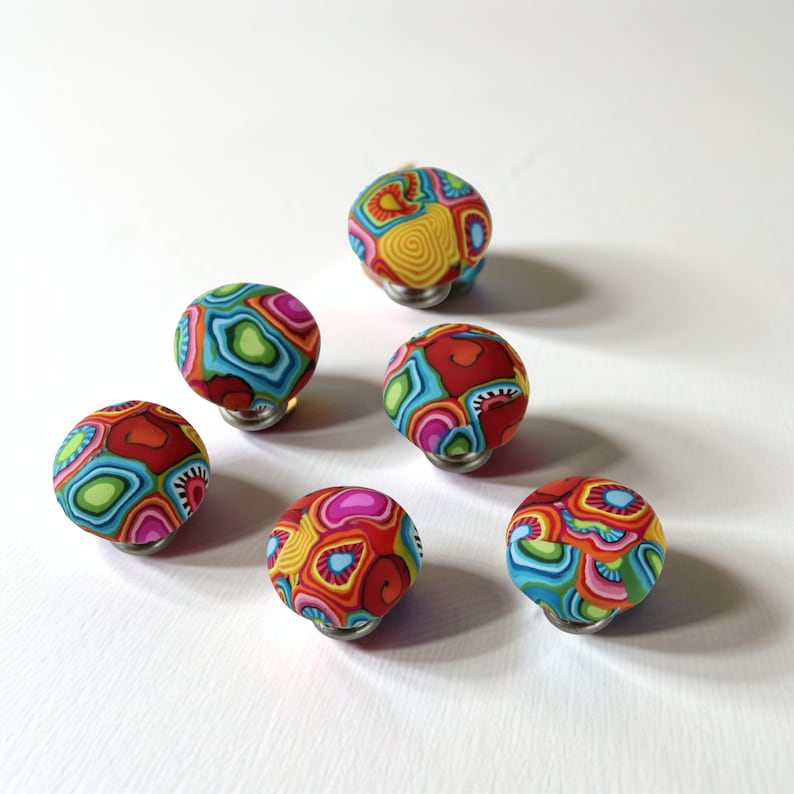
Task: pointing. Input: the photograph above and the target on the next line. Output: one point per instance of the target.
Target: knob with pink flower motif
(342, 557)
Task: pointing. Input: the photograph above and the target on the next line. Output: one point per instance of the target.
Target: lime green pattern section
(460, 446)
(397, 390)
(226, 289)
(655, 560)
(636, 589)
(455, 182)
(99, 494)
(251, 345)
(592, 612)
(68, 449)
(541, 549)
(636, 585)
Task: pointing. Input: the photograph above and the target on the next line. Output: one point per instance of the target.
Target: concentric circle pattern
(343, 556)
(585, 548)
(132, 472)
(456, 389)
(420, 227)
(247, 346)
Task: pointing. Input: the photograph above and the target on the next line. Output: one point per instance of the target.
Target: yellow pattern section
(655, 533)
(296, 548)
(401, 550)
(421, 250)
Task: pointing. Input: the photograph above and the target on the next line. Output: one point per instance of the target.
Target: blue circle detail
(340, 561)
(477, 234)
(619, 498)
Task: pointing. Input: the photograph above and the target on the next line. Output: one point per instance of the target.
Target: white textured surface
(637, 158)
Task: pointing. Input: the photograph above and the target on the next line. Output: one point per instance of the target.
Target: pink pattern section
(431, 429)
(304, 600)
(398, 359)
(289, 310)
(193, 316)
(366, 239)
(150, 525)
(614, 591)
(356, 502)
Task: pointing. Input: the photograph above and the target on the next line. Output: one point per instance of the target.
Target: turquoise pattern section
(456, 389)
(247, 346)
(585, 548)
(131, 473)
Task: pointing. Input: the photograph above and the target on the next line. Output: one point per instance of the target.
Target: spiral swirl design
(420, 227)
(421, 253)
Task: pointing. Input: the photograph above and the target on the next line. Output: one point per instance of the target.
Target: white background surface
(637, 159)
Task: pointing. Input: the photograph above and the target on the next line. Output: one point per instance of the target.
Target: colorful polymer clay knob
(584, 549)
(248, 348)
(457, 392)
(421, 233)
(343, 557)
(131, 473)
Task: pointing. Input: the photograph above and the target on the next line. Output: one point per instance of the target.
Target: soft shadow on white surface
(333, 412)
(702, 621)
(513, 283)
(445, 602)
(695, 593)
(664, 455)
(233, 509)
(548, 444)
(625, 299)
(690, 590)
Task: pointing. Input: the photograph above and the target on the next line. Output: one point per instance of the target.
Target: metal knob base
(145, 549)
(259, 419)
(572, 627)
(460, 464)
(356, 633)
(417, 298)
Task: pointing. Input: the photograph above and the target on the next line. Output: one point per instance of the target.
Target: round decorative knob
(343, 557)
(132, 473)
(420, 233)
(584, 549)
(457, 392)
(248, 348)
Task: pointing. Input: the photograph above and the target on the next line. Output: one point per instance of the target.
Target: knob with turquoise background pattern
(132, 473)
(456, 391)
(248, 348)
(585, 549)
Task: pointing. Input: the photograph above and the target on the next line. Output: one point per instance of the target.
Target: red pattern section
(386, 583)
(464, 363)
(158, 441)
(381, 569)
(500, 423)
(551, 492)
